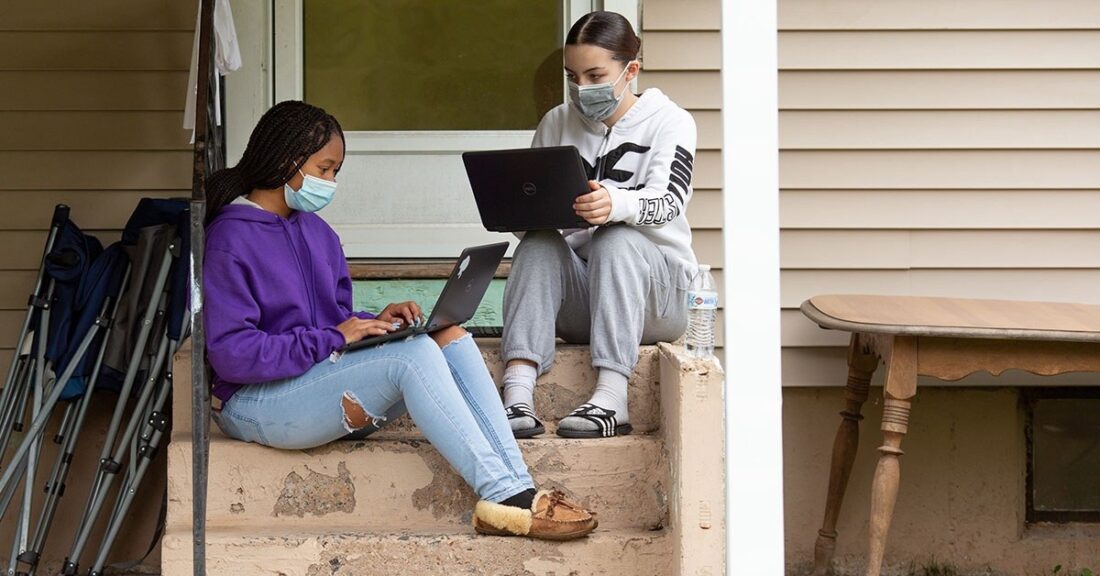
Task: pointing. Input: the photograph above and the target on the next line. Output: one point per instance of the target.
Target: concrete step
(568, 384)
(259, 551)
(379, 484)
(390, 505)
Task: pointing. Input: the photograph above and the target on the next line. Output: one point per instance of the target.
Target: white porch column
(754, 449)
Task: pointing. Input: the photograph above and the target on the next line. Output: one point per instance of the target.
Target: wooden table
(945, 338)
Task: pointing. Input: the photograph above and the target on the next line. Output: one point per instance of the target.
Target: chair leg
(149, 446)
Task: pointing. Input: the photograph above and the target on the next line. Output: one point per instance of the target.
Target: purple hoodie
(274, 291)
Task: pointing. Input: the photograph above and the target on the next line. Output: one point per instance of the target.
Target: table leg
(901, 386)
(884, 490)
(861, 366)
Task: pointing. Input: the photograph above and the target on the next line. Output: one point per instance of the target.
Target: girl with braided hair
(278, 308)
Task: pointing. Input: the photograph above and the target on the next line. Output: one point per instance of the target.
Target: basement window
(1063, 455)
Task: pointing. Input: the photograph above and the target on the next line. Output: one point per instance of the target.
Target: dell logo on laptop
(529, 188)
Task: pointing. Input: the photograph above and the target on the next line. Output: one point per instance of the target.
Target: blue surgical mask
(315, 193)
(597, 102)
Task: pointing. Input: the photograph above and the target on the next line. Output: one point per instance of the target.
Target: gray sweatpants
(629, 292)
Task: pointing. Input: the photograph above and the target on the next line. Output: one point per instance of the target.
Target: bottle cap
(704, 267)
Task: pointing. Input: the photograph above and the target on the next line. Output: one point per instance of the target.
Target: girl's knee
(447, 335)
(540, 242)
(615, 238)
(617, 250)
(423, 353)
(421, 347)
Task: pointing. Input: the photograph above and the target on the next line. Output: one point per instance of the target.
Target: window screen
(433, 64)
(1064, 456)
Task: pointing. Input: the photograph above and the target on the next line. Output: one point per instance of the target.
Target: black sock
(522, 500)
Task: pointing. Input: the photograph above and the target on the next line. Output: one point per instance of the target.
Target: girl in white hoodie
(623, 281)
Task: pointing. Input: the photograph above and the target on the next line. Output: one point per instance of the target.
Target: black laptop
(528, 188)
(460, 298)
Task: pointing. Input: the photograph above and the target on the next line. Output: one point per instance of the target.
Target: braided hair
(284, 138)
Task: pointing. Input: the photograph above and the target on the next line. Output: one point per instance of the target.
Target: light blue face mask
(597, 102)
(315, 193)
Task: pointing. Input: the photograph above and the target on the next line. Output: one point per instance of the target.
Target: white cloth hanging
(227, 58)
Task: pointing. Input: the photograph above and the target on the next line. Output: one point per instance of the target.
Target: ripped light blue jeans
(449, 393)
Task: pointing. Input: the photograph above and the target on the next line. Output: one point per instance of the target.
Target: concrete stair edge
(337, 553)
(568, 384)
(407, 483)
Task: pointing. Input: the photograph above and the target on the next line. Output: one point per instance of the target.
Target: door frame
(271, 33)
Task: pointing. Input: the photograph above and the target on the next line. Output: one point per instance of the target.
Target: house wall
(945, 149)
(936, 148)
(682, 55)
(91, 114)
(961, 500)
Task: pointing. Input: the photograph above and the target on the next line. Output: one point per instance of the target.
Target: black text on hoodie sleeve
(667, 180)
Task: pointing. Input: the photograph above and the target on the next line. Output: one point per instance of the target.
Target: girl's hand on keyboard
(355, 329)
(408, 313)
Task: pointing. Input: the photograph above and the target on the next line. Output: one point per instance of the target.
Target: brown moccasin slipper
(551, 517)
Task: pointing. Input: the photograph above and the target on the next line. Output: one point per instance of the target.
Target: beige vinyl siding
(682, 55)
(946, 149)
(103, 16)
(95, 50)
(91, 91)
(91, 115)
(681, 15)
(857, 15)
(940, 129)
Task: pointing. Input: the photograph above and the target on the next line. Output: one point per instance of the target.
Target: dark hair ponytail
(222, 187)
(286, 135)
(608, 30)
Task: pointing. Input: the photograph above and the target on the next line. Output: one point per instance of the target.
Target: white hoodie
(644, 161)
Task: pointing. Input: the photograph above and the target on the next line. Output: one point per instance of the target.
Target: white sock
(610, 394)
(519, 388)
(519, 384)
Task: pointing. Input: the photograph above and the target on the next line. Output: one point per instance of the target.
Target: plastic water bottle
(702, 314)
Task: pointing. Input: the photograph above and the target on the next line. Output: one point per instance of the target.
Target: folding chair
(149, 327)
(71, 306)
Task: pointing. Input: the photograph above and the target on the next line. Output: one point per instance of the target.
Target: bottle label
(702, 300)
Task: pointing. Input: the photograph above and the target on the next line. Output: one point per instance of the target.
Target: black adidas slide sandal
(522, 410)
(606, 424)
